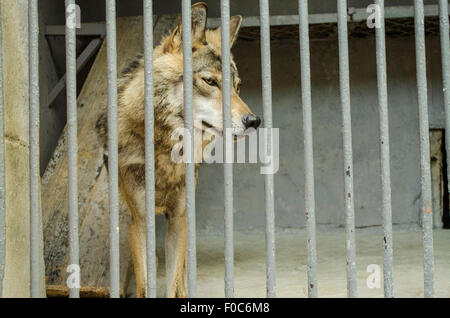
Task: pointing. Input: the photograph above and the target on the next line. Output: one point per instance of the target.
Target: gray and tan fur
(169, 115)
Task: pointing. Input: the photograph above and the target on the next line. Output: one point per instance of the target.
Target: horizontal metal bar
(396, 12)
(356, 14)
(353, 14)
(81, 61)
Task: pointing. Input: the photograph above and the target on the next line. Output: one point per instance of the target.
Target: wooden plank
(59, 291)
(84, 57)
(88, 29)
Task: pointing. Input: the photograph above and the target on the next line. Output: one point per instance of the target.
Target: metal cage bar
(149, 150)
(228, 150)
(114, 263)
(189, 143)
(427, 217)
(33, 32)
(445, 60)
(2, 172)
(344, 80)
(344, 83)
(310, 205)
(268, 178)
(72, 129)
(386, 205)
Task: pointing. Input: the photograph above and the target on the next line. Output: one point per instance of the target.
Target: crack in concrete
(16, 141)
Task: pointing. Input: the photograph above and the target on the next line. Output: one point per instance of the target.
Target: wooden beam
(61, 291)
(81, 61)
(88, 29)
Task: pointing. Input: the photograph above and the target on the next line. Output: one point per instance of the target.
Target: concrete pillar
(15, 75)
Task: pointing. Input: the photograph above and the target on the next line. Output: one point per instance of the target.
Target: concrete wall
(249, 184)
(287, 116)
(15, 76)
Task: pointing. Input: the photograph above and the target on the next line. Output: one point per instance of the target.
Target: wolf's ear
(199, 13)
(235, 25)
(173, 42)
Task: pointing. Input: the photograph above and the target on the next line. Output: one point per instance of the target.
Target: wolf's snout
(251, 121)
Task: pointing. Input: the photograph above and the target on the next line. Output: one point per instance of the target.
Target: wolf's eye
(210, 82)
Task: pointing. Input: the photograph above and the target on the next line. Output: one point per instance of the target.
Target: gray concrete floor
(291, 260)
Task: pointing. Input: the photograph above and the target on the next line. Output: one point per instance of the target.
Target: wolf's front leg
(133, 191)
(176, 253)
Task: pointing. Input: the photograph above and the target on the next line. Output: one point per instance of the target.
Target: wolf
(169, 116)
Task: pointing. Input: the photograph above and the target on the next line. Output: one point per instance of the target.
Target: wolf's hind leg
(138, 250)
(176, 252)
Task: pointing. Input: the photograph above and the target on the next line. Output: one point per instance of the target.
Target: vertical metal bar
(227, 166)
(310, 207)
(445, 56)
(33, 31)
(267, 111)
(71, 88)
(384, 151)
(149, 150)
(344, 80)
(190, 165)
(427, 218)
(2, 171)
(113, 148)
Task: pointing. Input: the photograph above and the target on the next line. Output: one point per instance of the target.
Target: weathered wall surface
(15, 63)
(287, 116)
(15, 59)
(403, 108)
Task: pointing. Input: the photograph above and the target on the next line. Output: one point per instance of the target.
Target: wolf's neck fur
(168, 108)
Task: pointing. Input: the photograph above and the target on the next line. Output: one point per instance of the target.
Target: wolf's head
(207, 74)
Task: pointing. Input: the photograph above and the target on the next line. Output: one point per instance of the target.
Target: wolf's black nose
(251, 121)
